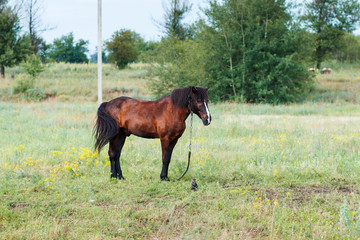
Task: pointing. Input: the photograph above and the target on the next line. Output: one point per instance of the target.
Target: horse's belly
(144, 134)
(145, 129)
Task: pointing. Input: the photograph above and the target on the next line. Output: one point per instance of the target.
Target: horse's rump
(105, 128)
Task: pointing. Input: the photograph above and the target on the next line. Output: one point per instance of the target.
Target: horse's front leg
(167, 148)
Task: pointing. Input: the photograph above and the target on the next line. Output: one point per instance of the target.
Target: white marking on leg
(207, 112)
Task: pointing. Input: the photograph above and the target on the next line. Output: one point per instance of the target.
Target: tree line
(17, 45)
(244, 50)
(255, 50)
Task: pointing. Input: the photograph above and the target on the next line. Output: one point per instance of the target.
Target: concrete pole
(99, 55)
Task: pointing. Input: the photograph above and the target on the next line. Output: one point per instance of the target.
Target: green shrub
(35, 95)
(122, 47)
(33, 66)
(178, 64)
(23, 84)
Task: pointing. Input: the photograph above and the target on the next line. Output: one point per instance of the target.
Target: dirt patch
(50, 95)
(18, 205)
(104, 204)
(254, 232)
(324, 189)
(302, 194)
(271, 194)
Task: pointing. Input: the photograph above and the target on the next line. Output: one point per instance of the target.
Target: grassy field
(264, 172)
(78, 82)
(343, 84)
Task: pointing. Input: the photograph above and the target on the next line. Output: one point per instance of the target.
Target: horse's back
(131, 105)
(136, 116)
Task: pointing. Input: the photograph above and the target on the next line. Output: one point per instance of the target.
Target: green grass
(342, 85)
(78, 82)
(264, 172)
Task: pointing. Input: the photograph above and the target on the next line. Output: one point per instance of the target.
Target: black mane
(180, 97)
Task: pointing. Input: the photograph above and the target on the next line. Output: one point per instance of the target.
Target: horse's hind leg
(115, 147)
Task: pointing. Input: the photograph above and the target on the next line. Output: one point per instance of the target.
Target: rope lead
(189, 155)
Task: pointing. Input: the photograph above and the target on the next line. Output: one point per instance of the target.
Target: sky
(80, 17)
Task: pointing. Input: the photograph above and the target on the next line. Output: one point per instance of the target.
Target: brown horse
(163, 118)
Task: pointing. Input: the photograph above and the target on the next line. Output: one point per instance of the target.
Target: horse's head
(195, 99)
(198, 103)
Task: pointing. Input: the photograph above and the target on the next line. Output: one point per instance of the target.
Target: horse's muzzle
(206, 121)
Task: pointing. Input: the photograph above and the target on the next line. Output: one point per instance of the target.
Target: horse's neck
(180, 112)
(183, 113)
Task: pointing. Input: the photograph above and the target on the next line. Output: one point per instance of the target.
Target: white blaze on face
(207, 113)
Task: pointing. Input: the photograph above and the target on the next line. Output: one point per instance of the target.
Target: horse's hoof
(121, 178)
(165, 179)
(112, 176)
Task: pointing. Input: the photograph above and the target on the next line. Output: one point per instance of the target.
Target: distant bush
(33, 66)
(178, 64)
(122, 47)
(65, 49)
(349, 50)
(35, 94)
(23, 84)
(147, 51)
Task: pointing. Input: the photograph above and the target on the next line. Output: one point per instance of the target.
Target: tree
(33, 66)
(33, 10)
(178, 63)
(245, 50)
(329, 20)
(65, 49)
(43, 49)
(173, 17)
(349, 49)
(148, 51)
(122, 47)
(13, 48)
(256, 49)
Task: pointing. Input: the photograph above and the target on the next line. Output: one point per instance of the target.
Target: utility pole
(99, 58)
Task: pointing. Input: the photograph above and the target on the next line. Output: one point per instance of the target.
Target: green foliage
(65, 49)
(33, 66)
(248, 51)
(349, 49)
(148, 51)
(122, 47)
(173, 17)
(35, 94)
(329, 20)
(43, 51)
(23, 84)
(178, 64)
(13, 48)
(263, 64)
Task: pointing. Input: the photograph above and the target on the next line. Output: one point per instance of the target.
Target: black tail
(105, 128)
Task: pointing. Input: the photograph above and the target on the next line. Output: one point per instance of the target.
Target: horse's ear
(194, 89)
(207, 89)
